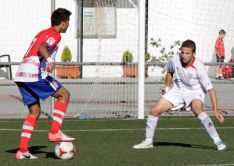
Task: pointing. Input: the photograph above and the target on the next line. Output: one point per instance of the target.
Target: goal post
(141, 59)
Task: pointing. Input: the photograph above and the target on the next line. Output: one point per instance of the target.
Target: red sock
(27, 129)
(59, 111)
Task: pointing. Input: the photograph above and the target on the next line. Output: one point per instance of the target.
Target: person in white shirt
(190, 85)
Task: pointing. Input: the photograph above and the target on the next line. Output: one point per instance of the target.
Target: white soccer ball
(64, 150)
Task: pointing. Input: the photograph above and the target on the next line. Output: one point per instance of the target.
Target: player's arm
(168, 80)
(216, 46)
(45, 54)
(169, 67)
(207, 85)
(214, 102)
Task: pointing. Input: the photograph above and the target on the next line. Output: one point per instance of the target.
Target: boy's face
(222, 35)
(187, 55)
(64, 26)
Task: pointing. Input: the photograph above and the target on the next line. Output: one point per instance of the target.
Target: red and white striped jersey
(194, 77)
(33, 65)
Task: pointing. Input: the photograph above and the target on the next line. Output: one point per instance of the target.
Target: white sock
(150, 127)
(209, 126)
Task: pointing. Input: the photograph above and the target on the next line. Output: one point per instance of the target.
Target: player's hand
(50, 67)
(165, 89)
(219, 116)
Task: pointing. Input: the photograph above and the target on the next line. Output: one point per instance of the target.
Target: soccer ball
(64, 150)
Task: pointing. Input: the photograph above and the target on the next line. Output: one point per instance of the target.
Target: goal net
(110, 31)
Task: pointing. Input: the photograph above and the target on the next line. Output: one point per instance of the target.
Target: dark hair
(59, 15)
(189, 44)
(222, 32)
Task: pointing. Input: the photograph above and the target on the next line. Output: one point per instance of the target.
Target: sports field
(179, 141)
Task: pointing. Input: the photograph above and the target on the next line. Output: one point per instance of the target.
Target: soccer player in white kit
(190, 85)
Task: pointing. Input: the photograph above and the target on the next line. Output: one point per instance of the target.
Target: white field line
(107, 130)
(106, 120)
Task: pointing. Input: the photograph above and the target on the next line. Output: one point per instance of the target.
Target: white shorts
(181, 98)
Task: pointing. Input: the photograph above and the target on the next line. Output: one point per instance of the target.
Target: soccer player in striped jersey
(191, 83)
(34, 81)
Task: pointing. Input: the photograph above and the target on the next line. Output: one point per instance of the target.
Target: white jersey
(193, 77)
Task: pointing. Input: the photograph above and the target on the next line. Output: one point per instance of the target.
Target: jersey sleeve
(204, 78)
(169, 67)
(52, 39)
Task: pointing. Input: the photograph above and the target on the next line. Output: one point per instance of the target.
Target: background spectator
(220, 53)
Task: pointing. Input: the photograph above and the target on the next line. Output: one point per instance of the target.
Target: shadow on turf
(183, 145)
(36, 150)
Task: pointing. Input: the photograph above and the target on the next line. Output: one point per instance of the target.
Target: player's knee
(197, 111)
(66, 94)
(62, 94)
(35, 110)
(39, 114)
(154, 112)
(197, 107)
(36, 114)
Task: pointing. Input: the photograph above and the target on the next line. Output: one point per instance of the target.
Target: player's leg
(219, 74)
(161, 106)
(52, 87)
(60, 108)
(27, 129)
(30, 99)
(197, 107)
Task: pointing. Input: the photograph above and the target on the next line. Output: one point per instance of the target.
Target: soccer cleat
(26, 155)
(59, 137)
(220, 145)
(144, 145)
